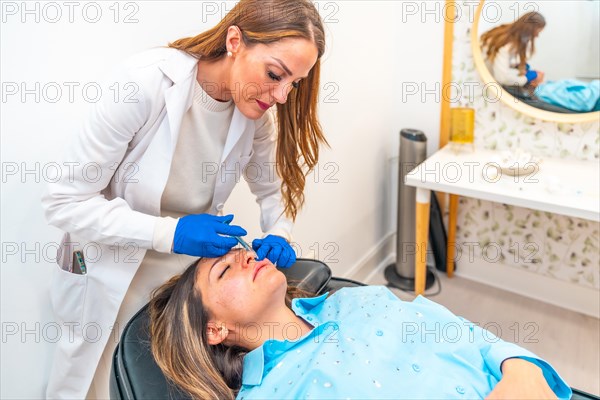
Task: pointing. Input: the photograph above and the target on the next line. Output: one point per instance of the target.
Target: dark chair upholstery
(135, 375)
(527, 96)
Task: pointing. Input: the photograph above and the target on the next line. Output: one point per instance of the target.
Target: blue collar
(255, 361)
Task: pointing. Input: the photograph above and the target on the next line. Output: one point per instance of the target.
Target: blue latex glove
(276, 249)
(531, 75)
(200, 235)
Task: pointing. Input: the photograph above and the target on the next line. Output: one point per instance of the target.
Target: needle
(242, 241)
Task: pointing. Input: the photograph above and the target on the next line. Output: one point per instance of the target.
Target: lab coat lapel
(178, 101)
(239, 125)
(181, 69)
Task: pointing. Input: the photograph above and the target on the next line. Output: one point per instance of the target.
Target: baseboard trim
(373, 260)
(562, 294)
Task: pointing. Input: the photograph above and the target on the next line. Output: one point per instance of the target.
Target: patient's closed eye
(223, 273)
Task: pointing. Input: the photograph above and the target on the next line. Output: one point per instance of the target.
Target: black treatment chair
(135, 375)
(527, 96)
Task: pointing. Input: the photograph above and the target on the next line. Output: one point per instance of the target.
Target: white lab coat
(108, 199)
(505, 67)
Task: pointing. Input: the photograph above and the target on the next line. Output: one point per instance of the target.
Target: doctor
(146, 178)
(508, 47)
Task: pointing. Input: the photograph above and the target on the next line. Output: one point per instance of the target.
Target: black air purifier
(401, 274)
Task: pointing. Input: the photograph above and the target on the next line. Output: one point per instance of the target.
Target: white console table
(558, 186)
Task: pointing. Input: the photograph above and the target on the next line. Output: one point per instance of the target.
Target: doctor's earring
(229, 54)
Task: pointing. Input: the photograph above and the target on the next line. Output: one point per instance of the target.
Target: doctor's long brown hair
(179, 343)
(519, 35)
(299, 133)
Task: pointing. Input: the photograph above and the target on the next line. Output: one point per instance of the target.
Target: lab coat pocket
(67, 289)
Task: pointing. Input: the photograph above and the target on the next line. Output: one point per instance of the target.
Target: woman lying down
(227, 328)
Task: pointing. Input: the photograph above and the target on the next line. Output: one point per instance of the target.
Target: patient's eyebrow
(213, 264)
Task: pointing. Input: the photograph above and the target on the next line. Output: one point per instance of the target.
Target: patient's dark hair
(179, 344)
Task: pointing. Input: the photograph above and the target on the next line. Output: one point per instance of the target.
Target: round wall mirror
(560, 79)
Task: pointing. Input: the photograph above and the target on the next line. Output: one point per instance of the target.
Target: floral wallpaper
(556, 246)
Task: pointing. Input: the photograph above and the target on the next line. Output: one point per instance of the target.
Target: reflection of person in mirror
(507, 47)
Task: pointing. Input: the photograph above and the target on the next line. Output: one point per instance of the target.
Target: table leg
(451, 250)
(441, 198)
(422, 234)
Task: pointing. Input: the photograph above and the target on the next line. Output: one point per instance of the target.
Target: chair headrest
(307, 274)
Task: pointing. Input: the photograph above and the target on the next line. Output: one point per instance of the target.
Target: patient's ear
(216, 333)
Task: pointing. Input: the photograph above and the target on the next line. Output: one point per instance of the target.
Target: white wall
(374, 50)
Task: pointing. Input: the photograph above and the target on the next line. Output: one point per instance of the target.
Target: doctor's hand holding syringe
(206, 235)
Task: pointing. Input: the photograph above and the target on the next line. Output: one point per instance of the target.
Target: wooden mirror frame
(507, 98)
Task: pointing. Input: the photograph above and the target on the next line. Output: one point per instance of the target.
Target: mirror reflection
(546, 55)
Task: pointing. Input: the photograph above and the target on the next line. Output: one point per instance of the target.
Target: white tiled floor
(568, 340)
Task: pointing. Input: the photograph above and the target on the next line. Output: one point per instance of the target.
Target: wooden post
(446, 80)
(422, 234)
(451, 249)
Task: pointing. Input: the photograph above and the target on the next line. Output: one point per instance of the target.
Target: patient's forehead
(204, 263)
(234, 255)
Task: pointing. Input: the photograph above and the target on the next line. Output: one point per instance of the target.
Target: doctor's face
(263, 75)
(238, 289)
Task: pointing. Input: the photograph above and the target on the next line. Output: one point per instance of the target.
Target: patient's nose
(247, 258)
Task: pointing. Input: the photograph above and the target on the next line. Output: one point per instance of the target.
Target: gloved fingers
(232, 230)
(256, 243)
(206, 247)
(217, 247)
(222, 226)
(224, 242)
(224, 219)
(285, 258)
(262, 252)
(292, 259)
(275, 253)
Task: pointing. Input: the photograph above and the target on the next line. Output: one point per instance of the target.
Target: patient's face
(238, 289)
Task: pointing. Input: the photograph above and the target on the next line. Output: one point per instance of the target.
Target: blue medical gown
(369, 344)
(570, 93)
